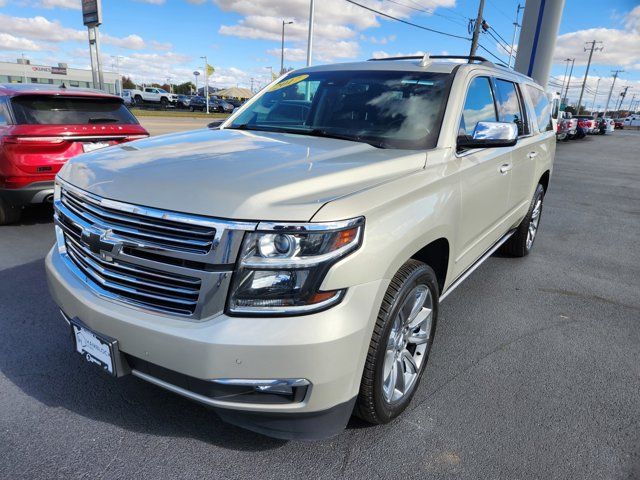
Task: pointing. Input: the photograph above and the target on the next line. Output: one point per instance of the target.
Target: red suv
(41, 127)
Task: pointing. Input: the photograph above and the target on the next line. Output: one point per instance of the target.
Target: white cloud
(132, 42)
(39, 28)
(621, 46)
(336, 22)
(384, 54)
(381, 40)
(152, 2)
(43, 30)
(9, 42)
(70, 4)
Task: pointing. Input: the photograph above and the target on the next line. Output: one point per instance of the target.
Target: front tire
(400, 344)
(521, 242)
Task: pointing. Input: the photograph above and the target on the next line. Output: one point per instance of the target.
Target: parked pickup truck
(154, 95)
(567, 126)
(287, 267)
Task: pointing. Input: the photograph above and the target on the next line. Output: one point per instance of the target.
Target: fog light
(275, 389)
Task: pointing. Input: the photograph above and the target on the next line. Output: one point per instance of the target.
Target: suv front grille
(156, 260)
(133, 226)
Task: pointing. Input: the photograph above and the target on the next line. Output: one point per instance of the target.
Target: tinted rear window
(42, 110)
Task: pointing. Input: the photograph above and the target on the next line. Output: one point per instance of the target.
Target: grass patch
(176, 114)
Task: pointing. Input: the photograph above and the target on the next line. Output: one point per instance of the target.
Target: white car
(632, 121)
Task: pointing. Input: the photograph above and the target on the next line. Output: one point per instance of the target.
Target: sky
(156, 40)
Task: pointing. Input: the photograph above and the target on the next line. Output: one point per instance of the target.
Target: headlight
(281, 267)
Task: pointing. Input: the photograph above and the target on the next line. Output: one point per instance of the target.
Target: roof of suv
(16, 89)
(435, 63)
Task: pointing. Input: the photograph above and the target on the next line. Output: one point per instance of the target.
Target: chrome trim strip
(289, 311)
(161, 214)
(273, 382)
(456, 283)
(253, 407)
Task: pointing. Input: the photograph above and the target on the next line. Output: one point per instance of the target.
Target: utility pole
(515, 31)
(310, 39)
(564, 79)
(586, 73)
(476, 31)
(631, 103)
(615, 75)
(282, 47)
(595, 95)
(566, 92)
(623, 94)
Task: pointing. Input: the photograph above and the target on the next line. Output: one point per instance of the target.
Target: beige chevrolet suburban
(286, 268)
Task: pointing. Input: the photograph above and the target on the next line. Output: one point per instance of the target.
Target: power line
(407, 22)
(504, 46)
(499, 10)
(489, 52)
(501, 37)
(429, 12)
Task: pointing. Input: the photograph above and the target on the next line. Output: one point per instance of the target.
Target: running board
(477, 263)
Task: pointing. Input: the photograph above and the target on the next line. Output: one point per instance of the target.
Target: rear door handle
(505, 168)
(532, 154)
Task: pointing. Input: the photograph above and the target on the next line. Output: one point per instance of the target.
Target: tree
(128, 83)
(184, 88)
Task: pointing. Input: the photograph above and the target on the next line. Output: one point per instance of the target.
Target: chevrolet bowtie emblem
(95, 240)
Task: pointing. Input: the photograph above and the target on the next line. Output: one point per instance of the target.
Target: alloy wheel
(408, 344)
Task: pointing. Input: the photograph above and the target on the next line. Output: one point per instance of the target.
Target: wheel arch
(544, 180)
(436, 255)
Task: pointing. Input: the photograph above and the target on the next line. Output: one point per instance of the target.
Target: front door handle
(532, 154)
(505, 168)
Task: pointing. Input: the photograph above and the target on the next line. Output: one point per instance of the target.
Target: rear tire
(400, 344)
(8, 213)
(521, 242)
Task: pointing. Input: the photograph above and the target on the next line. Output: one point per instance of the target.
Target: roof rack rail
(475, 58)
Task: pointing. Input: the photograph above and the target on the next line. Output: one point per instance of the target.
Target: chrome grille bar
(159, 261)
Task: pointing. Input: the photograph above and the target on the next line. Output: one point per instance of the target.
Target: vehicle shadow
(36, 356)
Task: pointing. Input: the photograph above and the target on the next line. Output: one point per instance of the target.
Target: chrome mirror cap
(495, 131)
(490, 135)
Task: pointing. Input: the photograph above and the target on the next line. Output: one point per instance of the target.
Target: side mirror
(490, 135)
(216, 123)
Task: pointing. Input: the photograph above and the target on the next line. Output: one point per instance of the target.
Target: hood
(242, 175)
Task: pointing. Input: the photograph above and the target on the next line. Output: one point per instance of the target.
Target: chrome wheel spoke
(407, 344)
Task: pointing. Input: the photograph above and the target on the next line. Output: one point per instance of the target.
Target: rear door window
(478, 106)
(509, 106)
(541, 106)
(43, 110)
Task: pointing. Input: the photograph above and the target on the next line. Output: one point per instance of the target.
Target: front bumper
(328, 349)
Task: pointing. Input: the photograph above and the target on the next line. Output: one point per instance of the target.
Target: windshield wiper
(102, 120)
(320, 132)
(315, 132)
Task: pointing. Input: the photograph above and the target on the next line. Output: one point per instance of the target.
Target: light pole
(271, 72)
(594, 96)
(119, 81)
(282, 47)
(206, 81)
(566, 92)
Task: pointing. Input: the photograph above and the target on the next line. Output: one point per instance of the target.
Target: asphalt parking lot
(535, 371)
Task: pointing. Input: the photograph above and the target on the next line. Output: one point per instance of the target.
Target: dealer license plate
(93, 347)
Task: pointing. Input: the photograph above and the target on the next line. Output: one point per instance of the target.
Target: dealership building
(23, 71)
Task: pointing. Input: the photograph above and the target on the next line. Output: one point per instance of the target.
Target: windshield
(384, 108)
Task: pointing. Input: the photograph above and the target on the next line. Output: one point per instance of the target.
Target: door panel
(484, 191)
(484, 188)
